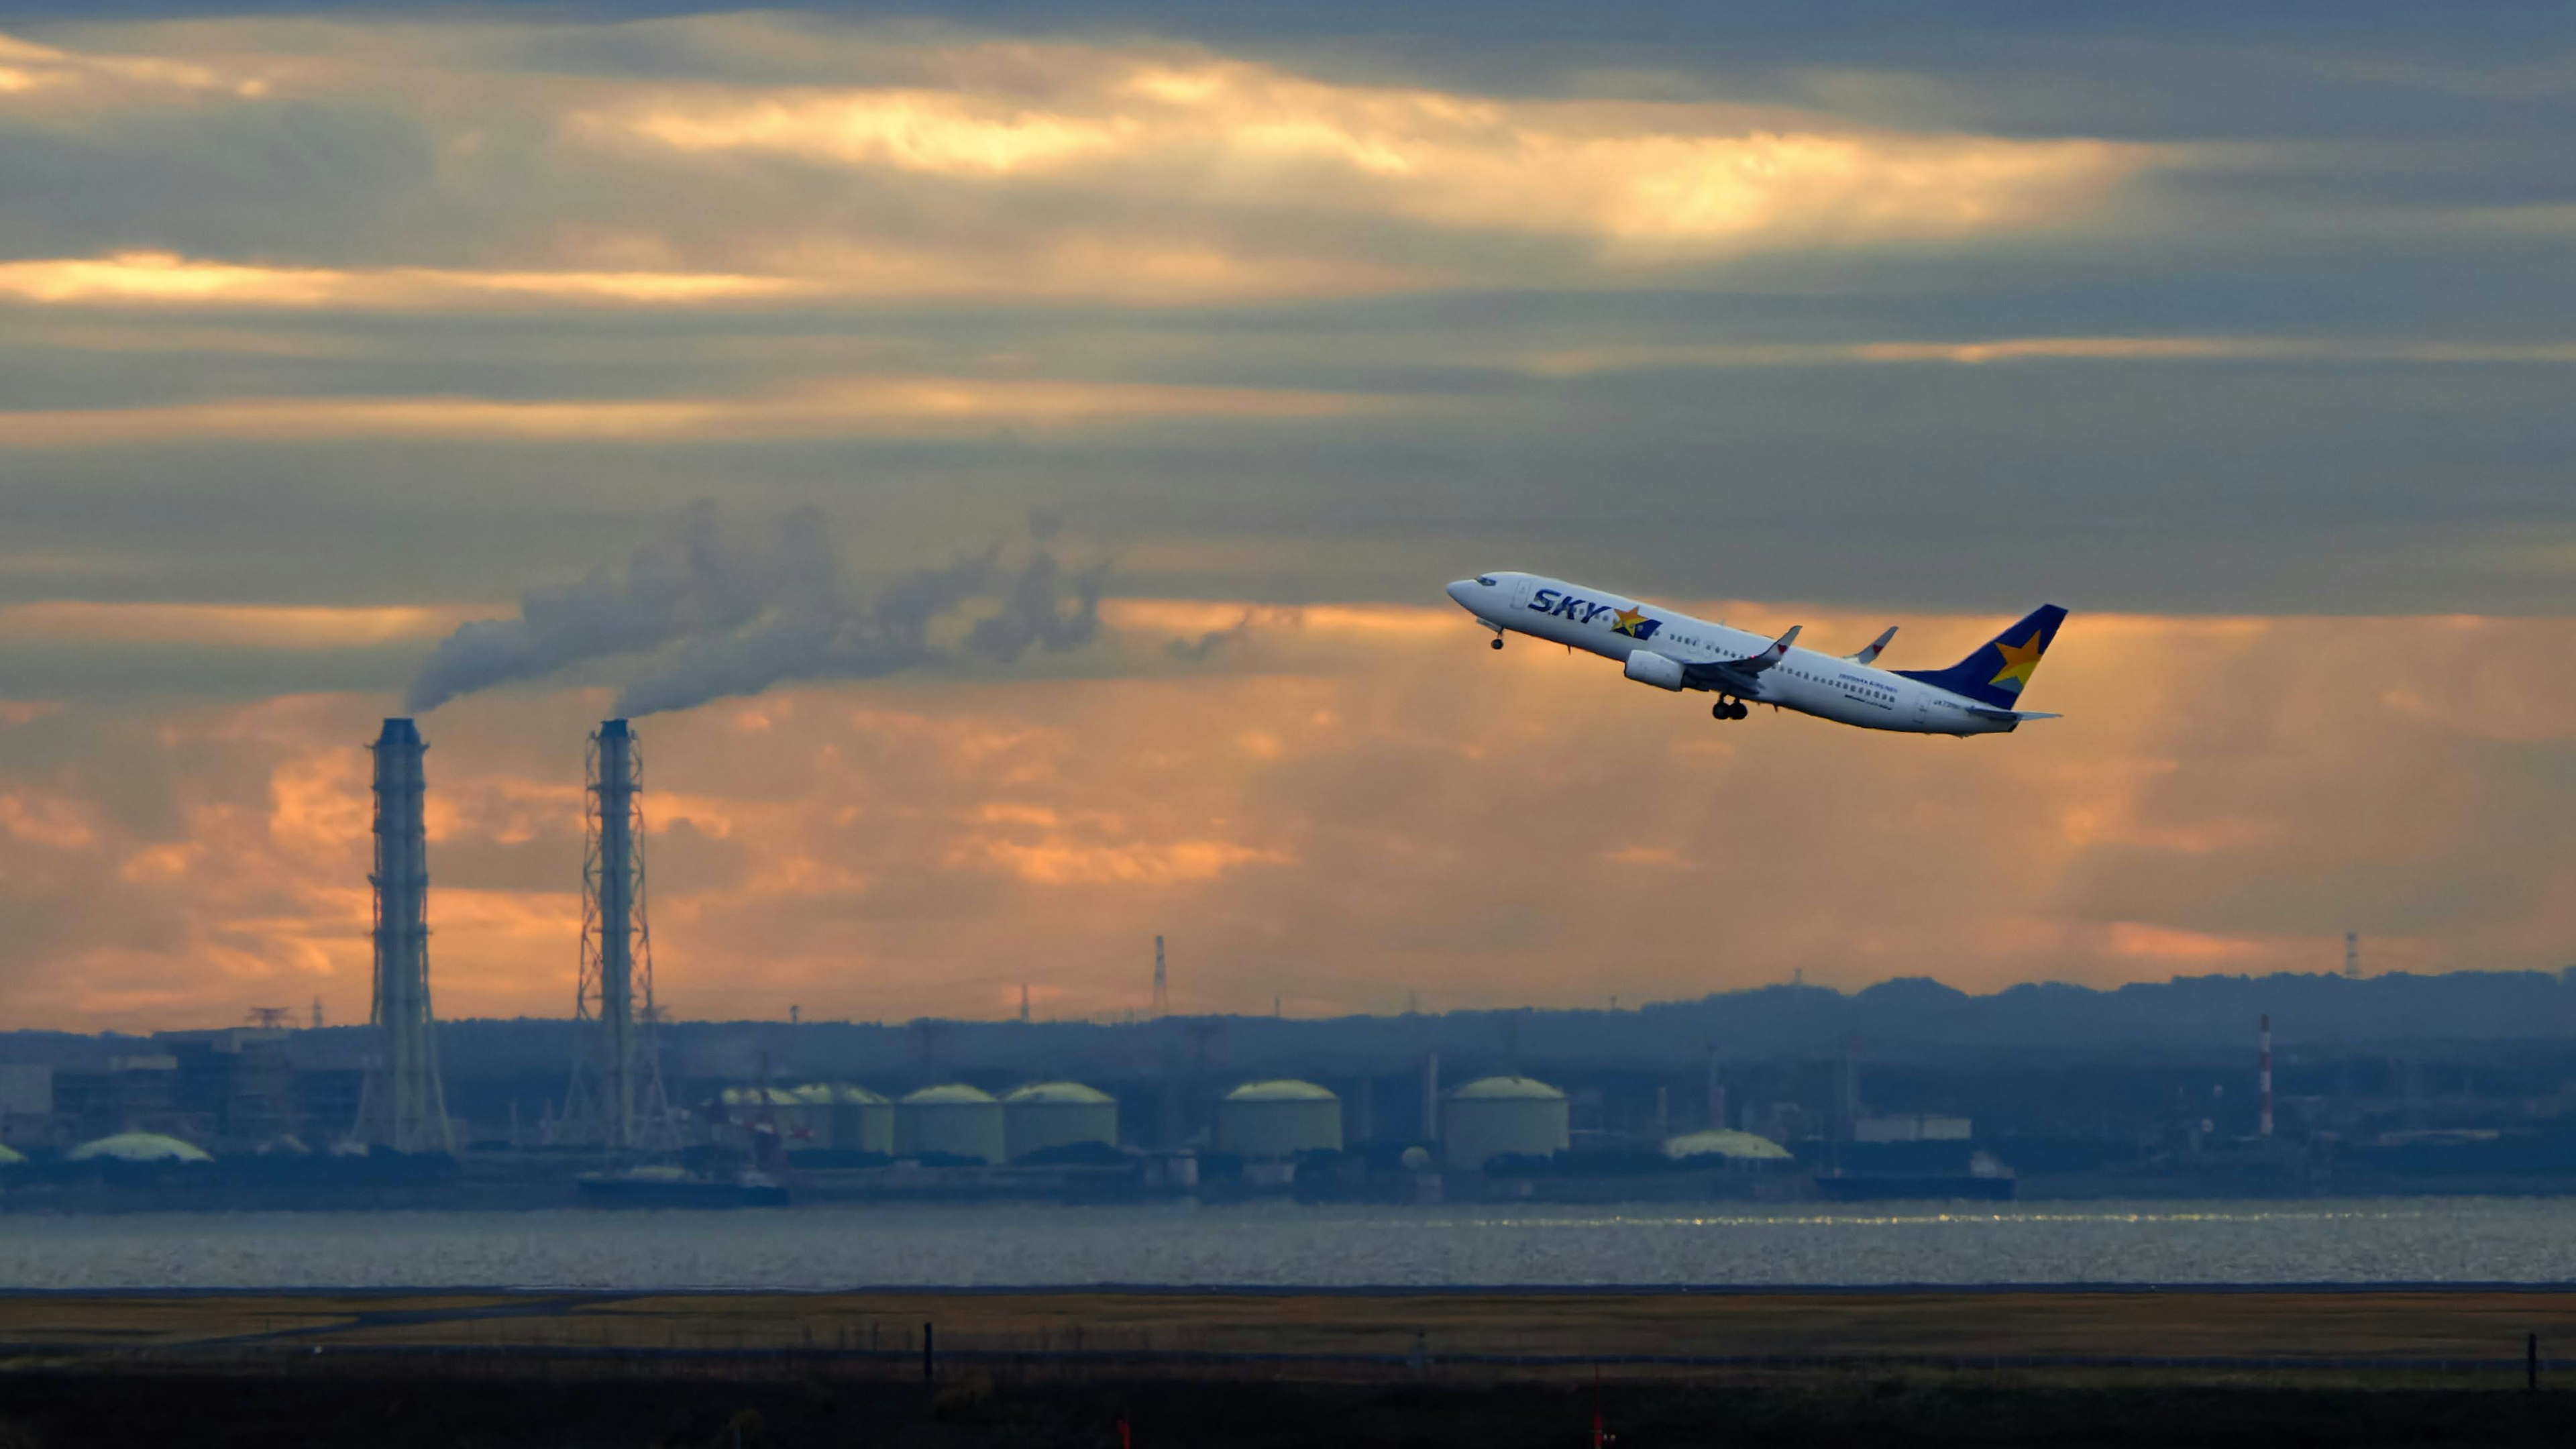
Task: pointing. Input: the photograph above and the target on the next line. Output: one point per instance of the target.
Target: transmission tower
(400, 1104)
(1162, 989)
(616, 1100)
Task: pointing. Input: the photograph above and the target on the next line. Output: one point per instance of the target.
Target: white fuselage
(1824, 685)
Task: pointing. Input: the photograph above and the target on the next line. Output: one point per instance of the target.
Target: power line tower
(400, 1104)
(616, 1100)
(1162, 987)
(2352, 955)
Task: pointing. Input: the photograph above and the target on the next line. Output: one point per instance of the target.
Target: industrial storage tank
(1278, 1119)
(1057, 1114)
(1502, 1115)
(956, 1119)
(841, 1117)
(767, 1109)
(1731, 1145)
(138, 1147)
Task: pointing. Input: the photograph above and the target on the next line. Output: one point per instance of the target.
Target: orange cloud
(167, 279)
(1649, 179)
(266, 626)
(1141, 271)
(849, 407)
(1633, 357)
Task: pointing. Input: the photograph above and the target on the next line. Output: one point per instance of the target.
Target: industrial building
(1278, 1119)
(26, 1103)
(1057, 1114)
(955, 1120)
(1500, 1116)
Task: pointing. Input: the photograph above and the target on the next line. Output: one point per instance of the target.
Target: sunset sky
(2243, 332)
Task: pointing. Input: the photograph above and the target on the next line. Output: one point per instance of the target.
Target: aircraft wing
(1740, 676)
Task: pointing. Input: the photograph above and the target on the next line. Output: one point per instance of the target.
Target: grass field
(2217, 1332)
(1249, 1370)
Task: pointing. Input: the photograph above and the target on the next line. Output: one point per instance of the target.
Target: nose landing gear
(1497, 644)
(1729, 709)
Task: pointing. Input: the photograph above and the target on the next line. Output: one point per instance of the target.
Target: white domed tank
(1278, 1119)
(1731, 1145)
(138, 1147)
(1495, 1116)
(1057, 1114)
(842, 1117)
(956, 1119)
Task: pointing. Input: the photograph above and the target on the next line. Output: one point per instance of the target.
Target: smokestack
(616, 1099)
(615, 890)
(2263, 1082)
(400, 1103)
(1162, 991)
(2352, 955)
(1431, 1097)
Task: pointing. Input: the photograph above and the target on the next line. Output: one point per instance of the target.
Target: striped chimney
(2265, 1082)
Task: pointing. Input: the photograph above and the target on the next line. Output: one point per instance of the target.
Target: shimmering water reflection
(2348, 1241)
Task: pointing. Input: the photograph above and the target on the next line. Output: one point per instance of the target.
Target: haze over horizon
(1179, 357)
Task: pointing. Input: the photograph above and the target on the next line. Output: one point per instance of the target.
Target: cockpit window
(1482, 579)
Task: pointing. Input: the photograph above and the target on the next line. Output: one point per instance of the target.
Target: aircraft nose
(1460, 592)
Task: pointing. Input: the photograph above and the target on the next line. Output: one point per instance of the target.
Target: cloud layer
(332, 333)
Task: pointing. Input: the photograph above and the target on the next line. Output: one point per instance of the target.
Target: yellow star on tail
(2019, 660)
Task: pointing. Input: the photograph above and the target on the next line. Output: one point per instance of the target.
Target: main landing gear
(1729, 709)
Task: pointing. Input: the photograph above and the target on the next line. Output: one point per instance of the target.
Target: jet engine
(1648, 667)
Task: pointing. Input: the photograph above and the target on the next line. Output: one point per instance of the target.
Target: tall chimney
(400, 1103)
(615, 889)
(1431, 1097)
(2264, 1081)
(616, 1100)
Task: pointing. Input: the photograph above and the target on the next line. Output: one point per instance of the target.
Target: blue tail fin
(2000, 669)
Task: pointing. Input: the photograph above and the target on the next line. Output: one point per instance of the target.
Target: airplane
(1674, 651)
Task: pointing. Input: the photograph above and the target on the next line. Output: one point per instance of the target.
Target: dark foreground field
(1240, 1368)
(395, 1410)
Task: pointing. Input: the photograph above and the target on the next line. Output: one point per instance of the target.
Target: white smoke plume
(712, 613)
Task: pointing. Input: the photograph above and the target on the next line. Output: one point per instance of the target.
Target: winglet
(1779, 649)
(1876, 646)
